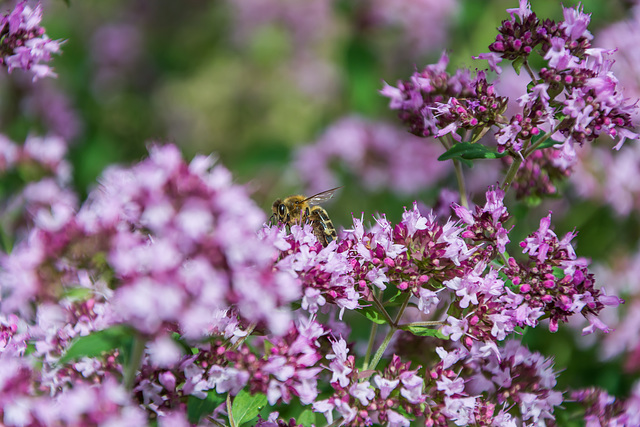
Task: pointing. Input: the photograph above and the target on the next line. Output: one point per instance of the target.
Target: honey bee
(298, 209)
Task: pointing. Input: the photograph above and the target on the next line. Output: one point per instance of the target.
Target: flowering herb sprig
(23, 42)
(573, 99)
(165, 298)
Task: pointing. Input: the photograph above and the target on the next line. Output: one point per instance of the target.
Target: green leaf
(517, 64)
(187, 349)
(198, 408)
(393, 298)
(96, 343)
(307, 418)
(548, 143)
(424, 331)
(470, 151)
(372, 314)
(246, 407)
(558, 273)
(77, 293)
(268, 345)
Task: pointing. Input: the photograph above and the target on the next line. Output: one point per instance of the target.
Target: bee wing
(321, 197)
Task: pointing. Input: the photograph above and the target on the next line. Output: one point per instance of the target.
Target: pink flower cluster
(592, 104)
(421, 258)
(575, 98)
(24, 42)
(498, 382)
(282, 368)
(166, 246)
(380, 155)
(164, 298)
(172, 238)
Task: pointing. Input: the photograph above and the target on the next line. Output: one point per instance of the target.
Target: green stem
(461, 187)
(382, 348)
(541, 141)
(384, 312)
(238, 343)
(425, 323)
(511, 173)
(529, 70)
(402, 309)
(372, 338)
(447, 143)
(232, 422)
(137, 351)
(393, 327)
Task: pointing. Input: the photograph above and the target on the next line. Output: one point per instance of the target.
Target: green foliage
(470, 151)
(424, 331)
(246, 407)
(307, 418)
(199, 408)
(97, 343)
(372, 314)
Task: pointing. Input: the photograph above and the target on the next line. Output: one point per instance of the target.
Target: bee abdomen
(323, 228)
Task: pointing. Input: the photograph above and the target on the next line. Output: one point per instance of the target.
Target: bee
(298, 209)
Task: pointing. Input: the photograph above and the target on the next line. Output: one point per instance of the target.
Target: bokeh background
(285, 93)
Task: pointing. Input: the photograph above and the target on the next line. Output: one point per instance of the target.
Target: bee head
(278, 208)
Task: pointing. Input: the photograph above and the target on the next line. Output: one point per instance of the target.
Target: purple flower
(396, 420)
(164, 352)
(575, 23)
(455, 328)
(363, 392)
(386, 386)
(384, 157)
(451, 387)
(523, 11)
(493, 58)
(25, 46)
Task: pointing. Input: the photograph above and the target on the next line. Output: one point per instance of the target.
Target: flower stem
(139, 344)
(238, 343)
(402, 309)
(447, 143)
(380, 307)
(382, 348)
(511, 173)
(387, 339)
(232, 422)
(461, 187)
(425, 323)
(372, 338)
(539, 142)
(529, 70)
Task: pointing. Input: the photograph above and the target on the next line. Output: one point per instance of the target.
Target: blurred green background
(253, 80)
(250, 80)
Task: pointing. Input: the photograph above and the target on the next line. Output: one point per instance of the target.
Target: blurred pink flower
(381, 156)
